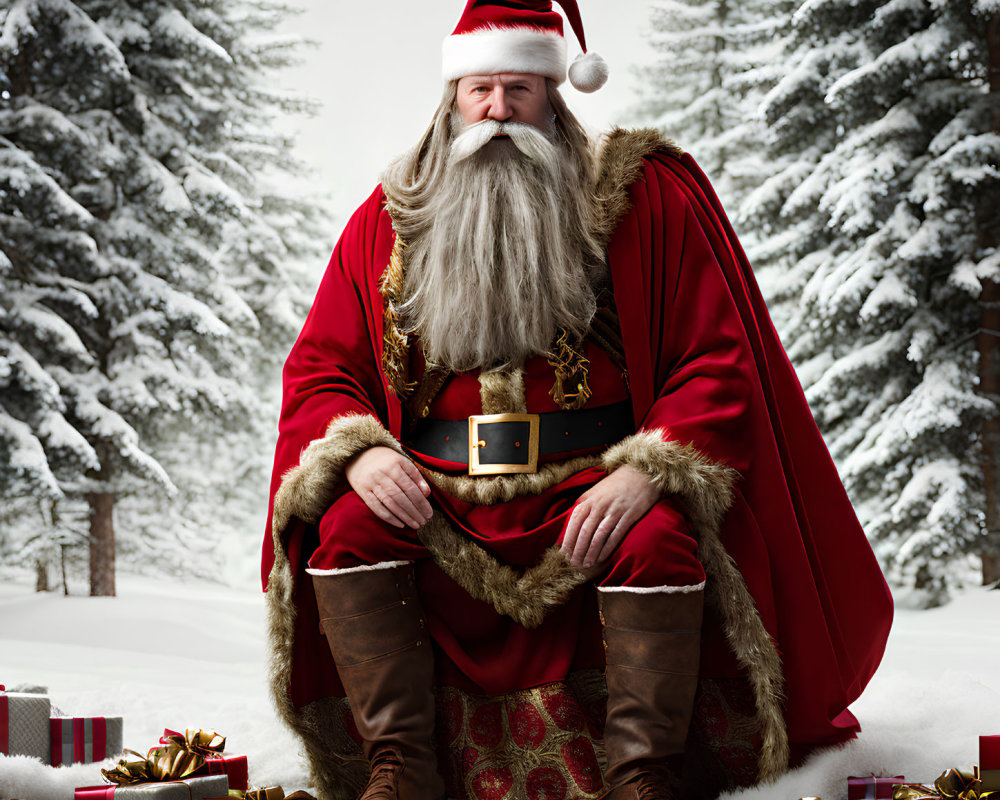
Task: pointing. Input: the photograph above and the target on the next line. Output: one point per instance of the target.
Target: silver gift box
(27, 721)
(188, 789)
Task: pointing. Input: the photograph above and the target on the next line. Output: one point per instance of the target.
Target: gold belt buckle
(476, 444)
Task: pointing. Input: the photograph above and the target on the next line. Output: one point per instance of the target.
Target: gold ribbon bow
(177, 759)
(274, 793)
(143, 770)
(952, 785)
(207, 744)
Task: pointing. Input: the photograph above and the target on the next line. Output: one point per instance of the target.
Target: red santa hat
(496, 36)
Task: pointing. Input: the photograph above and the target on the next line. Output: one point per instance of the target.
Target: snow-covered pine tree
(143, 267)
(717, 59)
(882, 227)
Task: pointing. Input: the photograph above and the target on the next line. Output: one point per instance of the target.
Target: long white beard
(506, 256)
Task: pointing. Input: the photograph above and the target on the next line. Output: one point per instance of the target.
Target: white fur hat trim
(490, 51)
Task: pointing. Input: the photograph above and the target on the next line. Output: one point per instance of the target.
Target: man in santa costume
(550, 515)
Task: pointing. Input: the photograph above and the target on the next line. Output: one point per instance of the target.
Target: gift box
(269, 793)
(235, 768)
(24, 725)
(989, 763)
(187, 789)
(82, 740)
(872, 786)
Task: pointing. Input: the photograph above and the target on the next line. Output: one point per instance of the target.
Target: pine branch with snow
(147, 263)
(873, 258)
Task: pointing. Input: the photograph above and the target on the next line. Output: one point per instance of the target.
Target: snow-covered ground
(176, 655)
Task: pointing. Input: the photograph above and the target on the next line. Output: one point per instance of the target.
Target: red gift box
(989, 763)
(236, 768)
(872, 786)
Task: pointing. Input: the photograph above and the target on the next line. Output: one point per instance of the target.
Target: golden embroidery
(428, 388)
(571, 367)
(532, 743)
(394, 342)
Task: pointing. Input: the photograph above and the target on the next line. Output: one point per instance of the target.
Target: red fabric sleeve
(334, 368)
(703, 369)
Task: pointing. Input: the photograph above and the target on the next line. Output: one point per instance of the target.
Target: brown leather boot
(375, 628)
(652, 644)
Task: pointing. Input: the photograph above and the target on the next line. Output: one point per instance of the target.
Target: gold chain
(571, 368)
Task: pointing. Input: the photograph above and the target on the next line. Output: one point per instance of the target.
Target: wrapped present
(82, 740)
(953, 784)
(270, 793)
(872, 786)
(185, 789)
(206, 747)
(989, 763)
(24, 725)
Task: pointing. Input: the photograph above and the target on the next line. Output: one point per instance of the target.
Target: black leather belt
(494, 444)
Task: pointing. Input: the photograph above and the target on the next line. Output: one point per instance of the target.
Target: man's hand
(604, 514)
(391, 486)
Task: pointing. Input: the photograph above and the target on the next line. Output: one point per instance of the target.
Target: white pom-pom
(588, 72)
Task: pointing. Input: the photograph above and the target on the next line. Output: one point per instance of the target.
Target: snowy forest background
(159, 245)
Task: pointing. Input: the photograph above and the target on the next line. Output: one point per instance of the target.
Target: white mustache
(527, 138)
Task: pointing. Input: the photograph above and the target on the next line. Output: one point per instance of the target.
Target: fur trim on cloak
(704, 486)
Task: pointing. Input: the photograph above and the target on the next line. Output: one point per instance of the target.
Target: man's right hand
(391, 486)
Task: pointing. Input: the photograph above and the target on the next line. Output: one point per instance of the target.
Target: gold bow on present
(207, 744)
(182, 755)
(952, 785)
(143, 770)
(273, 793)
(177, 759)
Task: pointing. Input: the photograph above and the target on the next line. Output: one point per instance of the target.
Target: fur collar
(620, 155)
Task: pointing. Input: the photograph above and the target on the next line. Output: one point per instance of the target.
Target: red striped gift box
(82, 740)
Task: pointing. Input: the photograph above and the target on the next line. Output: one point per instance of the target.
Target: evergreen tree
(881, 230)
(717, 60)
(143, 251)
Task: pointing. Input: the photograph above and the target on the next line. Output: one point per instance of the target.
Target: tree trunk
(41, 575)
(988, 340)
(102, 545)
(62, 567)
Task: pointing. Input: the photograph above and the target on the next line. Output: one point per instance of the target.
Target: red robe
(707, 372)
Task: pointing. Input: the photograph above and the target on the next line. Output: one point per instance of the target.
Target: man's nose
(499, 107)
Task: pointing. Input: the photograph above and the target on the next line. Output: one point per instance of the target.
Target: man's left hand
(604, 514)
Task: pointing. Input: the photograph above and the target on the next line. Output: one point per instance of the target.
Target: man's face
(507, 97)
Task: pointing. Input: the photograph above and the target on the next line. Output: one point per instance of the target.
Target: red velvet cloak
(706, 367)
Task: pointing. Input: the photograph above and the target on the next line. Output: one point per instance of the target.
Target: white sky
(376, 71)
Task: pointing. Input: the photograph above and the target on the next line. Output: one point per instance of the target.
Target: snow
(191, 654)
(889, 291)
(57, 433)
(25, 454)
(55, 331)
(942, 479)
(75, 27)
(174, 25)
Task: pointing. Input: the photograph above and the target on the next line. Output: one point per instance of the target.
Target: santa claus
(550, 515)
